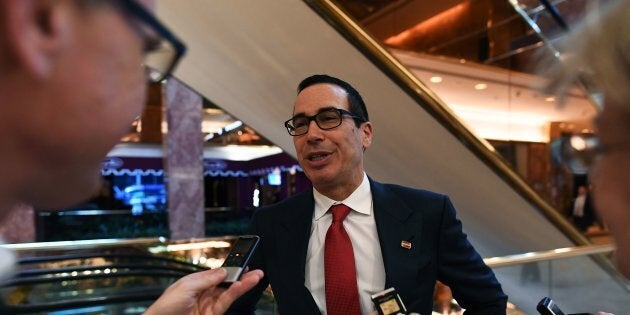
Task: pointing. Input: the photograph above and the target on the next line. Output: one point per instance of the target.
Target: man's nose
(313, 132)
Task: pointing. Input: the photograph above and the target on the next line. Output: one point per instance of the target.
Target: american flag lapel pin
(405, 244)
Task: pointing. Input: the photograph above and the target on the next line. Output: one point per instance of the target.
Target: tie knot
(339, 212)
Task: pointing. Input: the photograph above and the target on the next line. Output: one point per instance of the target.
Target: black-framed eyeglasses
(162, 49)
(578, 152)
(325, 120)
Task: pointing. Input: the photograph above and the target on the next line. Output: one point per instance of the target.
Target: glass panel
(481, 59)
(47, 291)
(576, 285)
(110, 280)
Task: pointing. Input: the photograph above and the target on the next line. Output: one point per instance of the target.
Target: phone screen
(240, 252)
(238, 258)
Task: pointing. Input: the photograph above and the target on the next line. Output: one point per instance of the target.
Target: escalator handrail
(44, 259)
(558, 253)
(84, 244)
(51, 271)
(135, 273)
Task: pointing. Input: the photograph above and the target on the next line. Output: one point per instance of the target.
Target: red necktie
(342, 294)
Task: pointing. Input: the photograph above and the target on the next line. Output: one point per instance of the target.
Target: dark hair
(355, 101)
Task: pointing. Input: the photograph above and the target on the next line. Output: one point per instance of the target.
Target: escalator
(248, 56)
(107, 276)
(121, 279)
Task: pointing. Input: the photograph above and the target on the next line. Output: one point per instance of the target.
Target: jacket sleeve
(472, 282)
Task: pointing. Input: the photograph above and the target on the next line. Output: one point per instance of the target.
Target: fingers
(250, 279)
(200, 281)
(238, 288)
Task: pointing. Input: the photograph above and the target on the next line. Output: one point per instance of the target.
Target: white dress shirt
(578, 206)
(361, 228)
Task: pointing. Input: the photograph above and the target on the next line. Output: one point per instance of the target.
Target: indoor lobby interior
(457, 103)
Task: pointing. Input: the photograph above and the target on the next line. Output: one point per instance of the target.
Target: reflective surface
(106, 276)
(483, 59)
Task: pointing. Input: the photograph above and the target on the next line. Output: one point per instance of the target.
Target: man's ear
(34, 31)
(366, 129)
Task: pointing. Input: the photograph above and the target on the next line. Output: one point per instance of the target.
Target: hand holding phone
(238, 258)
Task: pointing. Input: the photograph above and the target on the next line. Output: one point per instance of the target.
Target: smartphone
(546, 306)
(238, 258)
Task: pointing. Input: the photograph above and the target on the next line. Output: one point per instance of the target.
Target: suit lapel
(293, 246)
(395, 223)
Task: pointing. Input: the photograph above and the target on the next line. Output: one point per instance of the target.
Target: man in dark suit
(320, 261)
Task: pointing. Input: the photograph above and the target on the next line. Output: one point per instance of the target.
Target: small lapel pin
(405, 244)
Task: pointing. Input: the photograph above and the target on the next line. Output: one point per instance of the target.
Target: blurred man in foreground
(600, 57)
(71, 81)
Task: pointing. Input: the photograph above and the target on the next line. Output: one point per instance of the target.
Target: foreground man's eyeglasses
(163, 49)
(325, 120)
(578, 152)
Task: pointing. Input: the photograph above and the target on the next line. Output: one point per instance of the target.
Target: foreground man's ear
(34, 32)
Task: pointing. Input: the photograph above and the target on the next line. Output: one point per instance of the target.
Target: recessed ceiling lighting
(550, 99)
(481, 86)
(436, 79)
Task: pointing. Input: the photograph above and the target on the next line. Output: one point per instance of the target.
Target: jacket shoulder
(405, 192)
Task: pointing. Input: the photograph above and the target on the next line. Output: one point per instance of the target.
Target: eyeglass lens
(580, 150)
(325, 120)
(159, 60)
(161, 48)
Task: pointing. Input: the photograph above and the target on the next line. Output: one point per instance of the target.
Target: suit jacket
(440, 251)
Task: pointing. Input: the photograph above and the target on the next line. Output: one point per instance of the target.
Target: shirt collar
(360, 200)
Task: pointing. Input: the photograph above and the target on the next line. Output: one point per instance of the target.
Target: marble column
(183, 162)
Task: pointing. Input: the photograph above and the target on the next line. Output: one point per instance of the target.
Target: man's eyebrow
(323, 109)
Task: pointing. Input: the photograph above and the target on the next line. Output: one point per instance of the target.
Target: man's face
(96, 88)
(611, 179)
(332, 159)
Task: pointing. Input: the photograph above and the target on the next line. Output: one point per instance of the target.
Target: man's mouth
(317, 156)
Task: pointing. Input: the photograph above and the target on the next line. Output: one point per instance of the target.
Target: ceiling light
(481, 86)
(550, 99)
(436, 79)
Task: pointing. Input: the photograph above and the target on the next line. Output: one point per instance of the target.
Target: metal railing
(559, 253)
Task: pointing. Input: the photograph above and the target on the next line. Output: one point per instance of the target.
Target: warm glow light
(214, 262)
(426, 27)
(550, 99)
(503, 125)
(436, 79)
(481, 86)
(578, 143)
